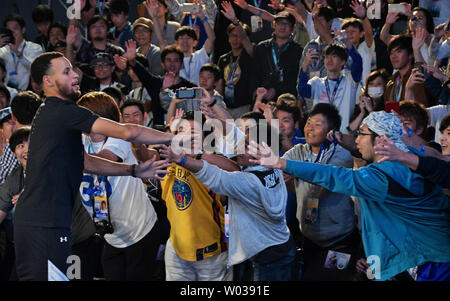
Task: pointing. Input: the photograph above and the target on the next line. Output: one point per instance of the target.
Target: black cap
(102, 57)
(285, 15)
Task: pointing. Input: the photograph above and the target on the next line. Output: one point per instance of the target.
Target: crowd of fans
(360, 171)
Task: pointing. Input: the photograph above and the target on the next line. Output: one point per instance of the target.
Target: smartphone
(190, 8)
(314, 46)
(396, 8)
(419, 66)
(391, 106)
(189, 93)
(8, 33)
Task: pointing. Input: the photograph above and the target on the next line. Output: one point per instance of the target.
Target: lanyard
(257, 3)
(327, 86)
(188, 69)
(274, 54)
(16, 64)
(191, 25)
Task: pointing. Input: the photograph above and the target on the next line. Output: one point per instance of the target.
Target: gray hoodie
(257, 202)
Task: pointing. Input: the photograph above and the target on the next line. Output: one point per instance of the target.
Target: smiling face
(143, 35)
(56, 34)
(172, 63)
(283, 28)
(21, 153)
(354, 34)
(316, 129)
(132, 114)
(400, 58)
(333, 62)
(445, 140)
(287, 123)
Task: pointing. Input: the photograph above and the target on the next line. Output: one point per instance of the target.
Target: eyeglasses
(359, 133)
(101, 66)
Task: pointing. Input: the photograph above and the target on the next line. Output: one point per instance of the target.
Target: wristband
(183, 160)
(213, 103)
(422, 149)
(133, 170)
(295, 2)
(204, 20)
(260, 13)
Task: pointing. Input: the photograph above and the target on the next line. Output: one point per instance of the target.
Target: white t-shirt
(132, 214)
(192, 65)
(344, 99)
(437, 113)
(366, 54)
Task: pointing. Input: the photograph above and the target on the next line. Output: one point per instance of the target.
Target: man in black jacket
(276, 60)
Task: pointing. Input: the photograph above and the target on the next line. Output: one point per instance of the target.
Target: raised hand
(152, 169)
(152, 8)
(260, 93)
(169, 80)
(228, 11)
(121, 61)
(415, 78)
(169, 155)
(276, 5)
(130, 54)
(201, 13)
(263, 155)
(358, 9)
(418, 37)
(386, 148)
(391, 18)
(311, 54)
(435, 72)
(241, 3)
(439, 31)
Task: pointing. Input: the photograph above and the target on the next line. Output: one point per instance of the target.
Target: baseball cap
(102, 57)
(285, 15)
(144, 22)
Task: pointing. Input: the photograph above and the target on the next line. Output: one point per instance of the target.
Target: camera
(103, 227)
(189, 93)
(190, 8)
(9, 34)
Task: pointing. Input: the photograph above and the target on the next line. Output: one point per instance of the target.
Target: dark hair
(445, 123)
(19, 136)
(430, 22)
(15, 17)
(25, 105)
(257, 116)
(246, 28)
(213, 68)
(190, 115)
(4, 90)
(415, 110)
(119, 7)
(95, 19)
(338, 50)
(41, 65)
(377, 73)
(331, 114)
(290, 107)
(171, 49)
(327, 12)
(101, 104)
(352, 22)
(402, 42)
(185, 30)
(42, 13)
(115, 93)
(58, 25)
(132, 103)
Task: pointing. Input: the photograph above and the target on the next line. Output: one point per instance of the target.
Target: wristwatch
(235, 22)
(213, 103)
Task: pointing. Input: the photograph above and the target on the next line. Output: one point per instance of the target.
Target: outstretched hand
(264, 156)
(152, 169)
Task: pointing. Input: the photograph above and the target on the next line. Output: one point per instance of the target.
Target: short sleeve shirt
(55, 164)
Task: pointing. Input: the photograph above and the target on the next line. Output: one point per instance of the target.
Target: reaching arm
(152, 9)
(265, 15)
(211, 36)
(130, 132)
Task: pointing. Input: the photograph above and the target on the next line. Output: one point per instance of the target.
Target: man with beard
(43, 217)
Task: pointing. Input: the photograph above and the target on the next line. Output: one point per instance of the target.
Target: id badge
(13, 80)
(101, 206)
(227, 226)
(312, 210)
(257, 23)
(229, 92)
(337, 260)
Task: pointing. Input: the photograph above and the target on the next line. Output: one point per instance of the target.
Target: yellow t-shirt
(195, 213)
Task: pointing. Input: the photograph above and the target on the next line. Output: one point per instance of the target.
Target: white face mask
(375, 92)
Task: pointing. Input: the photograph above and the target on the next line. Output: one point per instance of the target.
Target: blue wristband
(295, 2)
(260, 13)
(204, 20)
(183, 160)
(422, 149)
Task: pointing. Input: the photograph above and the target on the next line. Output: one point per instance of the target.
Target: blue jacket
(405, 219)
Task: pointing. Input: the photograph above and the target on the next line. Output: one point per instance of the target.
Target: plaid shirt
(8, 162)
